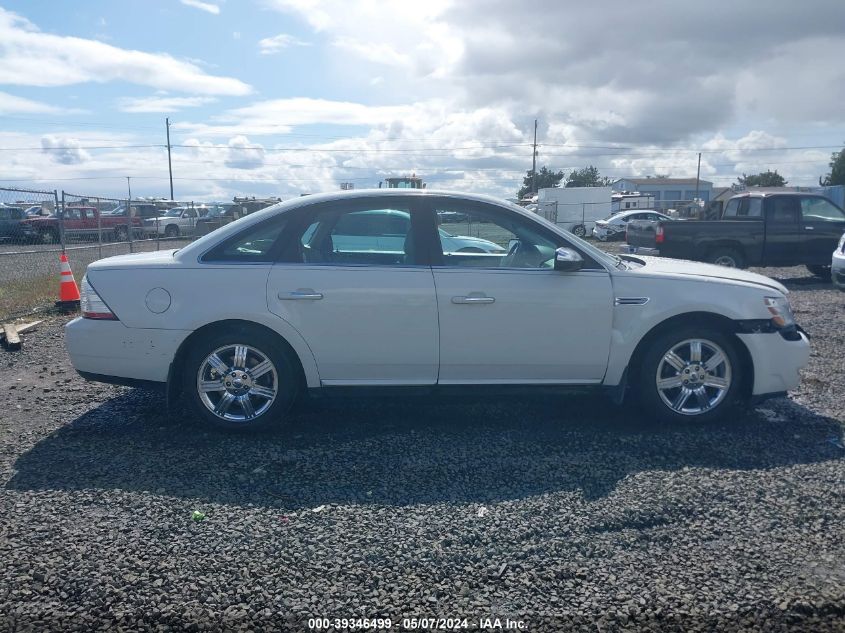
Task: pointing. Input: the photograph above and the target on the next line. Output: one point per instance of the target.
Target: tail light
(658, 235)
(93, 307)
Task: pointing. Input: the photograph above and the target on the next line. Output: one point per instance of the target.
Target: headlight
(780, 310)
(841, 246)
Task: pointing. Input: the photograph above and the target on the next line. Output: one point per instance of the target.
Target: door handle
(809, 228)
(473, 299)
(299, 295)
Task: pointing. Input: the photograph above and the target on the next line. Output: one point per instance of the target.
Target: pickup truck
(756, 229)
(82, 222)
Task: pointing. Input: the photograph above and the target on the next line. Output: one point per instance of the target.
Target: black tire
(120, 234)
(579, 231)
(820, 271)
(726, 256)
(646, 385)
(287, 382)
(171, 230)
(49, 236)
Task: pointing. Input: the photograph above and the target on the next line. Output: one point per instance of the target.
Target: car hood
(681, 268)
(132, 260)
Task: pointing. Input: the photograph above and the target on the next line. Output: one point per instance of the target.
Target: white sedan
(244, 320)
(613, 228)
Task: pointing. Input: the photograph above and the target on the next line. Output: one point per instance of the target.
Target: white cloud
(65, 150)
(275, 44)
(244, 154)
(161, 104)
(29, 57)
(11, 104)
(208, 7)
(373, 51)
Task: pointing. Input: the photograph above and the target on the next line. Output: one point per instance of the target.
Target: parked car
(837, 265)
(613, 228)
(245, 319)
(756, 229)
(35, 211)
(218, 215)
(13, 226)
(176, 222)
(83, 222)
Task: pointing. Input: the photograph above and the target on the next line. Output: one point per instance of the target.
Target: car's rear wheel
(121, 234)
(728, 257)
(240, 381)
(579, 231)
(49, 236)
(171, 230)
(820, 271)
(690, 374)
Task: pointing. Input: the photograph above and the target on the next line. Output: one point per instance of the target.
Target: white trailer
(575, 208)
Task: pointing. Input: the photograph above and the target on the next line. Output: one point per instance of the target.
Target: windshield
(217, 211)
(596, 253)
(174, 213)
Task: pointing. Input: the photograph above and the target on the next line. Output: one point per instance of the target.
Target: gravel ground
(565, 513)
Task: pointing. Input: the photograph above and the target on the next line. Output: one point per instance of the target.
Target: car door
(369, 314)
(510, 318)
(784, 236)
(822, 223)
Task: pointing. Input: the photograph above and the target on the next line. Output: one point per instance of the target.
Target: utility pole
(698, 175)
(534, 161)
(169, 164)
(129, 201)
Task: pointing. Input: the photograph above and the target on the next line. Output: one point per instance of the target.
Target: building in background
(667, 192)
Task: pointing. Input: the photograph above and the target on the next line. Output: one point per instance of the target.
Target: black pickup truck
(756, 229)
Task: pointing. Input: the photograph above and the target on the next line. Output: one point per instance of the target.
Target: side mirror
(567, 260)
(512, 244)
(186, 215)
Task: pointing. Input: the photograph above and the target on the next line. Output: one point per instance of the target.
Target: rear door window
(784, 210)
(732, 208)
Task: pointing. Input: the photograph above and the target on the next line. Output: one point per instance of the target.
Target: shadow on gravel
(409, 451)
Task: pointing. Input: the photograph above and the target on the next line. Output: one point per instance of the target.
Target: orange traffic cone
(68, 290)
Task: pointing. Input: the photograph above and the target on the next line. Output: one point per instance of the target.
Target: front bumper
(837, 270)
(777, 361)
(644, 250)
(109, 349)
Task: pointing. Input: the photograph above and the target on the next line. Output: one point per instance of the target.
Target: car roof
(764, 194)
(627, 212)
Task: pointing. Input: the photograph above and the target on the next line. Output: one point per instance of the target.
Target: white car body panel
(381, 325)
(533, 331)
(837, 265)
(373, 325)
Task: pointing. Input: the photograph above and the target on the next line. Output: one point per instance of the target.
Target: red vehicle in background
(83, 222)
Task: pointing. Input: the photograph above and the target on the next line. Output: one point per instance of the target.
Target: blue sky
(293, 96)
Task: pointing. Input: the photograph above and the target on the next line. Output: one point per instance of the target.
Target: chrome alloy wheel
(237, 382)
(693, 377)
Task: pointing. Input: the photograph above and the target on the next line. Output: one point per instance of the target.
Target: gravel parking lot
(564, 513)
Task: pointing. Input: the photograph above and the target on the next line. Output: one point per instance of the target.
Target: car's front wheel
(820, 271)
(690, 374)
(240, 380)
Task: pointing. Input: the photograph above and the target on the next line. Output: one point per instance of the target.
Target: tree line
(590, 177)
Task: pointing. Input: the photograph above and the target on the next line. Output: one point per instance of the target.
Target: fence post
(99, 230)
(129, 224)
(158, 233)
(61, 215)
